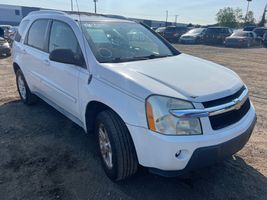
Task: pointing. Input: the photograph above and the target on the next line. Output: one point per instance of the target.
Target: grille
(224, 100)
(226, 119)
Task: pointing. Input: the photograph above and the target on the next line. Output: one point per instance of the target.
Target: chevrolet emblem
(238, 104)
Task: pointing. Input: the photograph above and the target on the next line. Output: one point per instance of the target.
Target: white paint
(124, 87)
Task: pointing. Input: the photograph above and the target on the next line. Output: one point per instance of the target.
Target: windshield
(196, 30)
(214, 30)
(173, 28)
(123, 41)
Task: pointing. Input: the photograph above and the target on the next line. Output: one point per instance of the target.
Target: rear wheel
(116, 147)
(24, 92)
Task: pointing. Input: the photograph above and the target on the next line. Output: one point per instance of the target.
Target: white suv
(147, 103)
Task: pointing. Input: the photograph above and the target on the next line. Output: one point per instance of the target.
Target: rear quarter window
(22, 28)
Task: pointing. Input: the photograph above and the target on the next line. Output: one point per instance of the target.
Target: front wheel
(24, 92)
(116, 147)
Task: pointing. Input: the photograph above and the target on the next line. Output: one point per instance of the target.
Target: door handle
(24, 51)
(46, 62)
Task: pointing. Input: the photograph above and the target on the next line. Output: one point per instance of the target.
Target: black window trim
(84, 66)
(46, 35)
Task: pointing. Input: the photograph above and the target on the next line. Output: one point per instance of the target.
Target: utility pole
(167, 15)
(95, 1)
(71, 1)
(247, 10)
(176, 16)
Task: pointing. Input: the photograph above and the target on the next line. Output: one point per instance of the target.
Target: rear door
(34, 53)
(62, 79)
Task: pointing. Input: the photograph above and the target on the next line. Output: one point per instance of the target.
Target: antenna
(95, 1)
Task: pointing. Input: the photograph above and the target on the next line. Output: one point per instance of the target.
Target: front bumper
(235, 44)
(205, 156)
(169, 154)
(5, 51)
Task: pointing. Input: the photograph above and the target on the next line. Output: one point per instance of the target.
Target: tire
(24, 92)
(123, 162)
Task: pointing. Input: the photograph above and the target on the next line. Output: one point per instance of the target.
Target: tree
(249, 20)
(229, 17)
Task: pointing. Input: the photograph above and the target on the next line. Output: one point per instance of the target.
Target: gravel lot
(43, 155)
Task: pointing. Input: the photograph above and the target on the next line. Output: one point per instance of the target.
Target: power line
(167, 15)
(95, 1)
(71, 1)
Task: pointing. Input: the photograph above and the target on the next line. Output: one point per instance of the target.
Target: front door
(62, 84)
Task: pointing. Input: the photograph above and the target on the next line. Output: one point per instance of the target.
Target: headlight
(162, 121)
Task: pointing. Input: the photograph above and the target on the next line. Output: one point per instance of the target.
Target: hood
(191, 34)
(237, 37)
(181, 76)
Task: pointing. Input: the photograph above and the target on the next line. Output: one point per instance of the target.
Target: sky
(188, 11)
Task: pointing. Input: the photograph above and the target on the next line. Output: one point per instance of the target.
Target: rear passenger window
(62, 37)
(37, 34)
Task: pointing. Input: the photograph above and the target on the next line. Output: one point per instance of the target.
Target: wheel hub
(22, 88)
(105, 146)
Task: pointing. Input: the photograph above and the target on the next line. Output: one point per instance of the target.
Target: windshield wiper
(153, 56)
(119, 59)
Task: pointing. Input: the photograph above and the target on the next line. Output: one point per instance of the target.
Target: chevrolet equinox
(147, 103)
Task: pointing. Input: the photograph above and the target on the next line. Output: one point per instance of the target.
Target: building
(12, 15)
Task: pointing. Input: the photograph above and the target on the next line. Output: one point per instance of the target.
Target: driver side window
(63, 37)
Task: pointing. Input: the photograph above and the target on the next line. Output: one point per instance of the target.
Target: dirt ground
(43, 155)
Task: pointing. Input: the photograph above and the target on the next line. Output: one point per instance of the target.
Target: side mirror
(63, 56)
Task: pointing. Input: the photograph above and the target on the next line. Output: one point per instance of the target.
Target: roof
(82, 16)
(259, 28)
(217, 27)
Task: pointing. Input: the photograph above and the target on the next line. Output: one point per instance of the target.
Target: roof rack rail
(94, 14)
(47, 12)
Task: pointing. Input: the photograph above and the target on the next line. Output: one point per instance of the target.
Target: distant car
(161, 30)
(260, 31)
(173, 33)
(216, 35)
(2, 32)
(193, 36)
(12, 31)
(249, 28)
(4, 47)
(6, 29)
(242, 39)
(264, 40)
